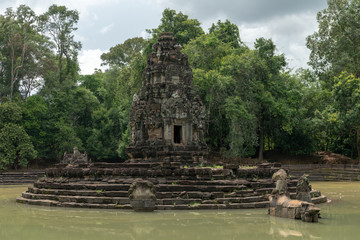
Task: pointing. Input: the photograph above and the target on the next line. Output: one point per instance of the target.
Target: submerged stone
(142, 196)
(282, 206)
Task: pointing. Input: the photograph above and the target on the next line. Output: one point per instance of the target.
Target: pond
(340, 220)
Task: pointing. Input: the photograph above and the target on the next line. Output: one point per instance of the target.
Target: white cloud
(288, 32)
(106, 28)
(89, 60)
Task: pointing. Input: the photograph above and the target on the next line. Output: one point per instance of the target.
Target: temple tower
(167, 118)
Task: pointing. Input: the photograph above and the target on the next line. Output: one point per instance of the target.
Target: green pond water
(340, 220)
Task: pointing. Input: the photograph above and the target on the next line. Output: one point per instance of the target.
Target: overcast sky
(105, 23)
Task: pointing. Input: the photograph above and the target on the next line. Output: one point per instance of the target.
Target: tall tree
(335, 47)
(19, 36)
(16, 148)
(346, 94)
(123, 54)
(60, 24)
(227, 32)
(181, 25)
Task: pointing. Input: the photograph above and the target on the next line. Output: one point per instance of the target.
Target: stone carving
(282, 206)
(281, 185)
(303, 189)
(75, 158)
(142, 196)
(167, 118)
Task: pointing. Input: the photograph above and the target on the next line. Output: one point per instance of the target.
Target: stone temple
(167, 169)
(167, 118)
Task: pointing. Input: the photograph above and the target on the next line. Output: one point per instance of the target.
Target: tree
(227, 32)
(60, 23)
(123, 54)
(36, 122)
(16, 148)
(346, 92)
(206, 51)
(10, 112)
(335, 47)
(184, 29)
(20, 41)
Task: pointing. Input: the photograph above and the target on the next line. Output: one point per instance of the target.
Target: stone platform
(105, 185)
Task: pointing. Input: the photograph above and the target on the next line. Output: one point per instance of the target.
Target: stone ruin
(167, 169)
(167, 118)
(282, 206)
(75, 158)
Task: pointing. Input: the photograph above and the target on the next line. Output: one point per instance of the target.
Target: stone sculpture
(142, 196)
(303, 189)
(75, 158)
(281, 185)
(282, 206)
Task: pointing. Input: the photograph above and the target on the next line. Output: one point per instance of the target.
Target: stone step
(15, 182)
(189, 194)
(82, 186)
(33, 196)
(71, 204)
(214, 206)
(37, 202)
(240, 193)
(242, 199)
(201, 188)
(175, 201)
(318, 200)
(208, 183)
(263, 191)
(78, 192)
(77, 199)
(95, 200)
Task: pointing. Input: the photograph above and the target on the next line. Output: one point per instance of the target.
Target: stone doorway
(178, 138)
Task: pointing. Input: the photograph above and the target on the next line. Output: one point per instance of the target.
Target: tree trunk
(261, 144)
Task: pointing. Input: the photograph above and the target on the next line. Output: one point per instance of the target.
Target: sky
(106, 23)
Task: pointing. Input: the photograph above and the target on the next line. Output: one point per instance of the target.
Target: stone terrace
(104, 185)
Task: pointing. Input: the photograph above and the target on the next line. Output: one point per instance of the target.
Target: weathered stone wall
(19, 177)
(326, 172)
(167, 118)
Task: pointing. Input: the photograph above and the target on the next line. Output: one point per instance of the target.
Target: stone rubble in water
(303, 189)
(282, 206)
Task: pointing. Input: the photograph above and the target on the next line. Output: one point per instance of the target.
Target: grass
(194, 204)
(247, 167)
(99, 191)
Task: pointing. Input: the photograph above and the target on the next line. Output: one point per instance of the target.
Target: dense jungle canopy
(254, 102)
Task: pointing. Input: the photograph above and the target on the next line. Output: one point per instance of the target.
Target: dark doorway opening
(177, 134)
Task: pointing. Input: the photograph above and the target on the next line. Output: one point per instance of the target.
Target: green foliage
(109, 126)
(22, 51)
(226, 32)
(184, 29)
(60, 23)
(16, 148)
(10, 112)
(206, 52)
(36, 122)
(253, 102)
(123, 54)
(346, 92)
(335, 47)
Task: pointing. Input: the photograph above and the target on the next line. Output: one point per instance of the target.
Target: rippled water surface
(340, 220)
